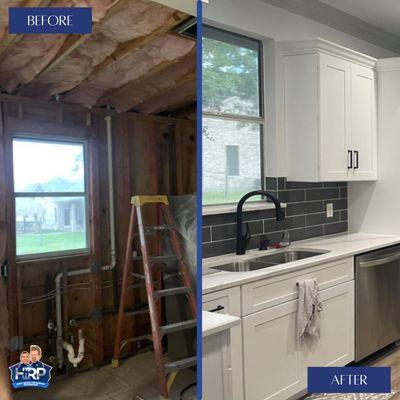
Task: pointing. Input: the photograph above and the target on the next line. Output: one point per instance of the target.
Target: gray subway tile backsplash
(305, 216)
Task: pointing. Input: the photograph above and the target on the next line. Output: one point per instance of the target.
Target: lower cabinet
(217, 371)
(228, 302)
(275, 361)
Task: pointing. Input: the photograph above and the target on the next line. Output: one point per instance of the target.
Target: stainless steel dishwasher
(377, 300)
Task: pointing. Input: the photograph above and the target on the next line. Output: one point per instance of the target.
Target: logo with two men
(30, 371)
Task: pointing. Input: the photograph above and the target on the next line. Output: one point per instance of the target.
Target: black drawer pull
(349, 159)
(218, 308)
(355, 159)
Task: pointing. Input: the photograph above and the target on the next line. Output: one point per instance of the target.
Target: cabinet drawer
(229, 299)
(263, 294)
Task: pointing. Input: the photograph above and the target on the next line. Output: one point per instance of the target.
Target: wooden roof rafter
(72, 42)
(12, 39)
(126, 48)
(108, 97)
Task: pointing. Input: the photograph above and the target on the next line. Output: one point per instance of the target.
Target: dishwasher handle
(379, 261)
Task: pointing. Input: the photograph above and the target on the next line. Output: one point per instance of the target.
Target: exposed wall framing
(152, 155)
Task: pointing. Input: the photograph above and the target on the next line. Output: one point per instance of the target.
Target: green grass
(221, 198)
(35, 243)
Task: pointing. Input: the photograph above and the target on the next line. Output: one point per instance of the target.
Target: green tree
(230, 71)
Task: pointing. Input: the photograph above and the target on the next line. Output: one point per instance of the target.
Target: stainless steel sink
(270, 260)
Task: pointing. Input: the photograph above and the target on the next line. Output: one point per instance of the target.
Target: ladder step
(141, 309)
(158, 259)
(136, 286)
(178, 326)
(137, 275)
(180, 364)
(152, 229)
(172, 291)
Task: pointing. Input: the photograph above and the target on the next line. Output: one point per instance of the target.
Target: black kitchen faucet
(243, 240)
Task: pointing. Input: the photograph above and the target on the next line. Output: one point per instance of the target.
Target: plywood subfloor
(135, 379)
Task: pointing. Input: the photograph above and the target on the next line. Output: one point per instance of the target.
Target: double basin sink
(277, 258)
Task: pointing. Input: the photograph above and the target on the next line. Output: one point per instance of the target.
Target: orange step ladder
(166, 370)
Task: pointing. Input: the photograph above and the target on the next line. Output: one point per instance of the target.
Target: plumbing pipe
(113, 258)
(75, 360)
(111, 191)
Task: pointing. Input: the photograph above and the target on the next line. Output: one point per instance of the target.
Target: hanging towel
(308, 309)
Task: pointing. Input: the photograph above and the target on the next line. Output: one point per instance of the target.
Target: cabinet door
(228, 302)
(274, 368)
(363, 123)
(217, 379)
(335, 347)
(334, 121)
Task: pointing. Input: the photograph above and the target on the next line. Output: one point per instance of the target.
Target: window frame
(85, 194)
(260, 120)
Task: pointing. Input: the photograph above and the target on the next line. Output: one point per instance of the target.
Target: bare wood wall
(151, 155)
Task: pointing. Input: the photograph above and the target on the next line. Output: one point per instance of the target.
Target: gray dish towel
(308, 319)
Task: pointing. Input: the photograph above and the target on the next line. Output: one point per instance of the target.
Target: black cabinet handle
(218, 308)
(355, 159)
(349, 159)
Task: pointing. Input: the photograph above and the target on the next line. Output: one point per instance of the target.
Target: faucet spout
(242, 241)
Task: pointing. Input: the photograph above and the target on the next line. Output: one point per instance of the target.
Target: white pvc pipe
(75, 360)
(113, 259)
(111, 190)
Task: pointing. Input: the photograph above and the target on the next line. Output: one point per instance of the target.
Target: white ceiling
(383, 13)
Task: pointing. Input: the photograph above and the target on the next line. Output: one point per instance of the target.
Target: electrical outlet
(329, 210)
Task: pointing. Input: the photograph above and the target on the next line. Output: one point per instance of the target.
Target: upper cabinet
(330, 112)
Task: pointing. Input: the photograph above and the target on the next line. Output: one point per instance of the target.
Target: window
(232, 160)
(232, 116)
(50, 197)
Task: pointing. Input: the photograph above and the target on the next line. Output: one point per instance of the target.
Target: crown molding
(388, 64)
(319, 45)
(341, 21)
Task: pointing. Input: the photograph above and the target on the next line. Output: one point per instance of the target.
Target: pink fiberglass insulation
(27, 58)
(171, 101)
(4, 6)
(165, 48)
(30, 55)
(132, 20)
(133, 94)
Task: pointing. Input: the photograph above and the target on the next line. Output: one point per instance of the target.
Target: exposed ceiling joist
(182, 82)
(341, 21)
(127, 48)
(11, 39)
(172, 100)
(108, 97)
(74, 41)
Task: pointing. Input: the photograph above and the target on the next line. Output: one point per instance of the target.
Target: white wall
(270, 24)
(375, 207)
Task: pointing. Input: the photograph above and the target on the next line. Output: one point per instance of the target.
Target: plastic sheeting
(184, 211)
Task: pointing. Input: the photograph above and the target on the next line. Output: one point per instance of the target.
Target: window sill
(231, 208)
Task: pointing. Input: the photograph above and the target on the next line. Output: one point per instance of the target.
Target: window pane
(50, 224)
(219, 185)
(41, 166)
(231, 81)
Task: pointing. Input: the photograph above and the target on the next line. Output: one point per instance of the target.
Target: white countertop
(339, 246)
(213, 323)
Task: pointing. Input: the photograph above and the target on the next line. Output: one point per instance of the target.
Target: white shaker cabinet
(275, 361)
(330, 112)
(228, 302)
